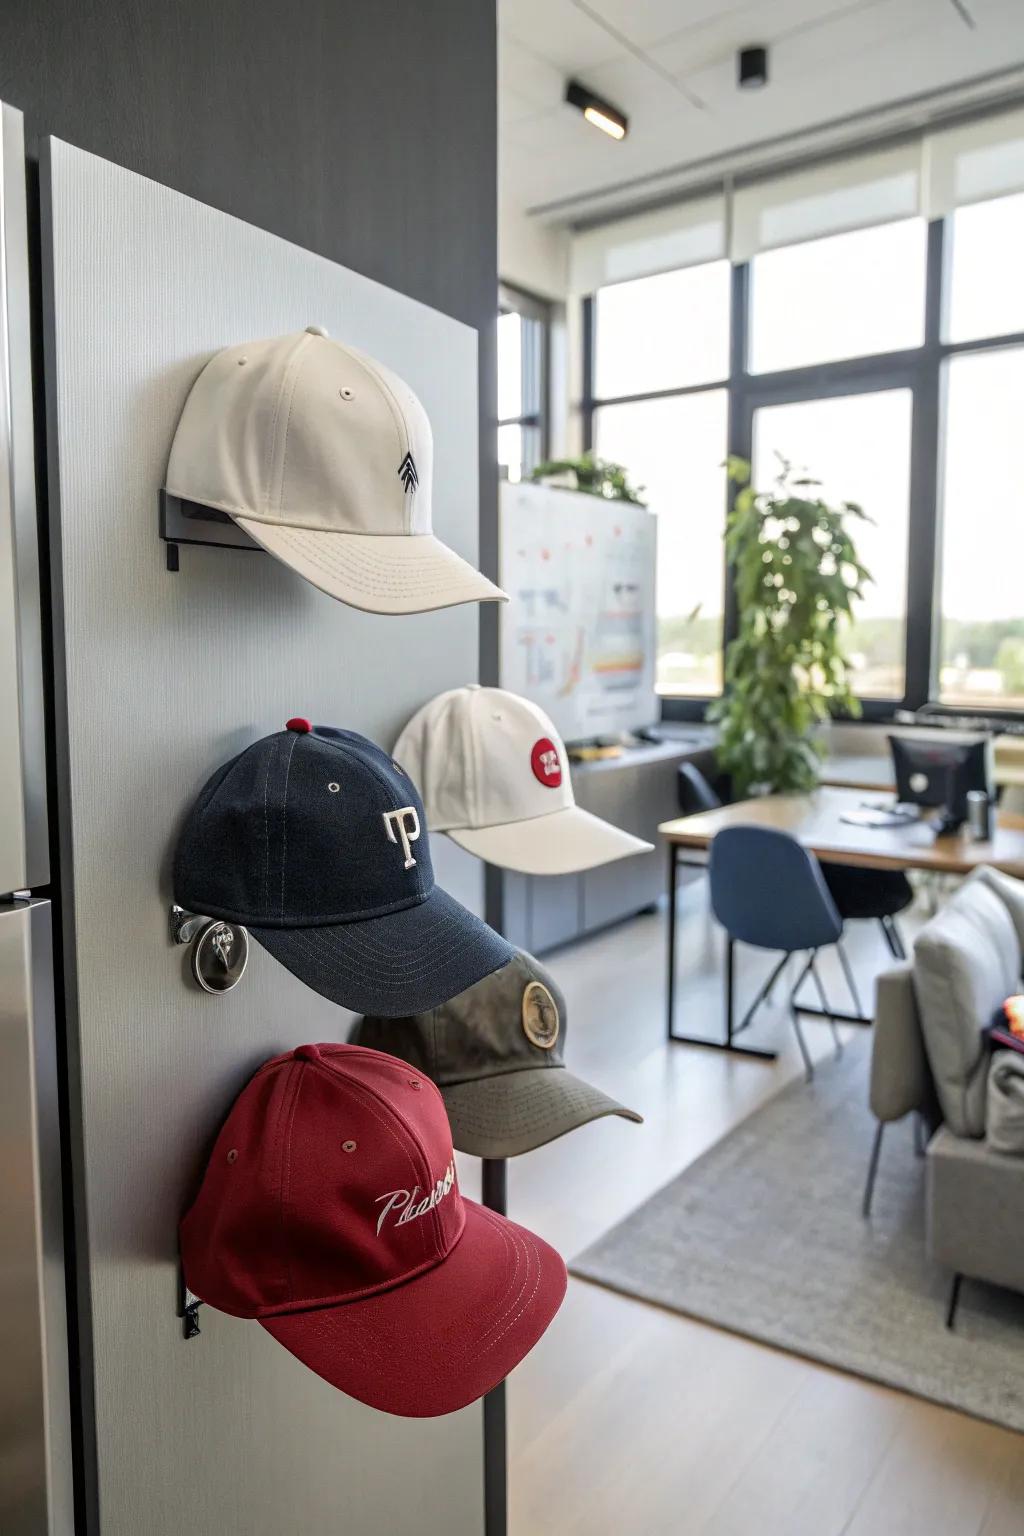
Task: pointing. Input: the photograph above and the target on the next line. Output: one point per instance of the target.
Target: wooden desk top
(817, 821)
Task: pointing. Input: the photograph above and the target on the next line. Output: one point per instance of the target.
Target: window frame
(919, 369)
(535, 365)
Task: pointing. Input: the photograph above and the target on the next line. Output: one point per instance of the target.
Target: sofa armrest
(901, 1079)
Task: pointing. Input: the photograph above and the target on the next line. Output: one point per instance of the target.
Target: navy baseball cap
(315, 840)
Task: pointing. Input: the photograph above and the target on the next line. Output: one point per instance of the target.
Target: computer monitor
(941, 773)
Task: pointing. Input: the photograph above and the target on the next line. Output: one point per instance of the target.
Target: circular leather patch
(540, 1016)
(544, 761)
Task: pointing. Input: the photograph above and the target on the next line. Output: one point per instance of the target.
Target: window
(986, 290)
(523, 327)
(675, 449)
(888, 362)
(662, 332)
(981, 632)
(848, 295)
(828, 438)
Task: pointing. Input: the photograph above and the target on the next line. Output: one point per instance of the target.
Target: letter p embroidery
(397, 827)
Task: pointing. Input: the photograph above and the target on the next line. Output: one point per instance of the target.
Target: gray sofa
(928, 1058)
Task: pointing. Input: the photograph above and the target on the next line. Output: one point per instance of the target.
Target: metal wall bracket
(189, 522)
(220, 950)
(188, 1308)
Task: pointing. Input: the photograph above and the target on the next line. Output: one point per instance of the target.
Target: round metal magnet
(219, 956)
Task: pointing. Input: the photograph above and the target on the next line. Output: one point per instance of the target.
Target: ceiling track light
(752, 68)
(601, 114)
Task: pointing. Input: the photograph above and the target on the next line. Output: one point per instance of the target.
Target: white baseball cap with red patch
(494, 775)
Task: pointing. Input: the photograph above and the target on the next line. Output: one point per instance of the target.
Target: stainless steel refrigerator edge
(35, 1451)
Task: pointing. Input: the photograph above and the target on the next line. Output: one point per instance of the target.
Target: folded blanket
(1004, 1119)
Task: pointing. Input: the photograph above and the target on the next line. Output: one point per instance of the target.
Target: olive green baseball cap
(496, 1053)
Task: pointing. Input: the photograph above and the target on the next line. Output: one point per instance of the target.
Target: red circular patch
(545, 762)
(297, 723)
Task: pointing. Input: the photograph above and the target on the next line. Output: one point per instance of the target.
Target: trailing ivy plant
(597, 477)
(797, 577)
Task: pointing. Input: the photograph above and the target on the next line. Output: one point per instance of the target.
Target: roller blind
(930, 176)
(826, 199)
(971, 162)
(658, 241)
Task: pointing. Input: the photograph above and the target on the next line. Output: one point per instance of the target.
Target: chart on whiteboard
(578, 632)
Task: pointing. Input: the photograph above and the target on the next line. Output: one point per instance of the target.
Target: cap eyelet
(348, 1146)
(332, 788)
(233, 1155)
(415, 1083)
(242, 362)
(347, 394)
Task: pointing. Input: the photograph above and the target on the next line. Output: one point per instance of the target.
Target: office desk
(817, 821)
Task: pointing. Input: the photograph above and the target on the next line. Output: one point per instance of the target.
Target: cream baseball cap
(325, 458)
(494, 775)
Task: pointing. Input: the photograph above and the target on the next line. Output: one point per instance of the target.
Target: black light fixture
(752, 68)
(600, 113)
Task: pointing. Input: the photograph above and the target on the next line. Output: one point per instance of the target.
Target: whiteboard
(578, 632)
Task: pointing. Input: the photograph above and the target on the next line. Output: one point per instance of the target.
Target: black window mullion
(739, 425)
(923, 525)
(589, 344)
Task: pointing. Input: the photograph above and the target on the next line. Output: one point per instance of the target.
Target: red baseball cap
(330, 1211)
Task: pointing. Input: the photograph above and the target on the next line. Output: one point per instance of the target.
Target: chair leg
(887, 937)
(761, 996)
(954, 1300)
(844, 961)
(899, 948)
(801, 1042)
(869, 1187)
(826, 1006)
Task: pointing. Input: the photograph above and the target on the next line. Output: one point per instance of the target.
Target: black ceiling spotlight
(600, 113)
(752, 68)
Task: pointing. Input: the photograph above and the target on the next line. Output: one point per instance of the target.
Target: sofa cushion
(967, 960)
(1004, 1115)
(1010, 891)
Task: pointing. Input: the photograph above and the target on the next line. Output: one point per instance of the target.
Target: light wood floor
(631, 1421)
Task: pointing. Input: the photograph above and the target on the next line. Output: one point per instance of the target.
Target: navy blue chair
(767, 890)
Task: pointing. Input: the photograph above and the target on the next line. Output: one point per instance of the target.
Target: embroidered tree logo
(407, 473)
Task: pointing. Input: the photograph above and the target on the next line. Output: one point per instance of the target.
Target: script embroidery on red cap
(404, 1200)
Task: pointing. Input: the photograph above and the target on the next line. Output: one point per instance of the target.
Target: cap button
(297, 723)
(306, 1053)
(316, 330)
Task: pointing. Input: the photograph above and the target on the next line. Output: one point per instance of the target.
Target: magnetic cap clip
(307, 1053)
(297, 723)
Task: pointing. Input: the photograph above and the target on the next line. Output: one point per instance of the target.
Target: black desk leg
(494, 1191)
(673, 865)
(728, 1044)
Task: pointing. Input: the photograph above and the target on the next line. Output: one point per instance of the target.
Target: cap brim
(563, 843)
(406, 962)
(443, 1339)
(380, 573)
(515, 1112)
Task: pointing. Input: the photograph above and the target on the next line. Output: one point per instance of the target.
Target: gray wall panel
(165, 676)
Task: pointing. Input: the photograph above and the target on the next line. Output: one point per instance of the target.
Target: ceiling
(670, 66)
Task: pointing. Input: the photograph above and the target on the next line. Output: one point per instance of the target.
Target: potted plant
(797, 577)
(595, 477)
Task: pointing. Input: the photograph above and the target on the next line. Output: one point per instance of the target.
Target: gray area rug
(763, 1235)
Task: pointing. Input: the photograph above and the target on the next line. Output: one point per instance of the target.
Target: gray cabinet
(636, 791)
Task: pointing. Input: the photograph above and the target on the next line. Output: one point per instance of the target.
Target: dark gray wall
(362, 129)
